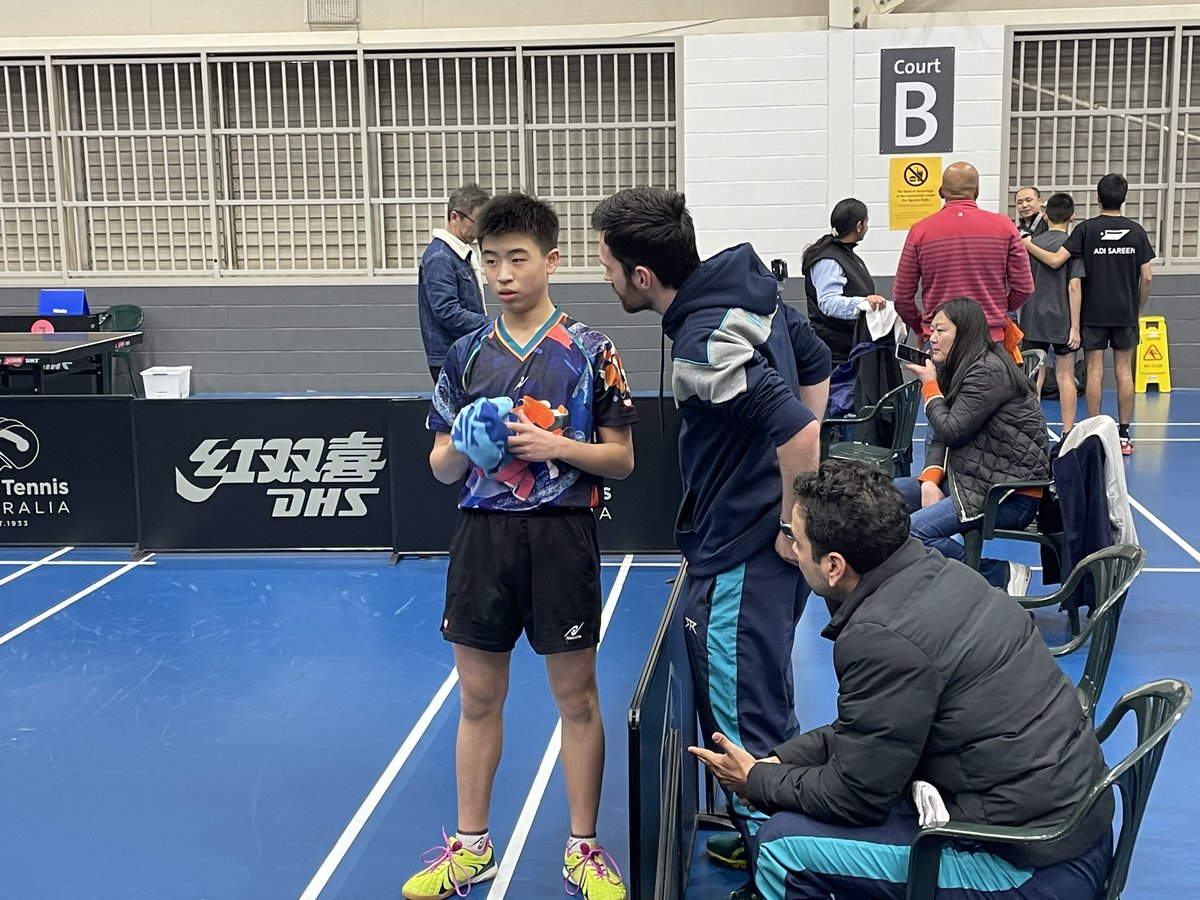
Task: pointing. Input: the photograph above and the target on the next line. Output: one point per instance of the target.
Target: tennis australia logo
(19, 448)
(573, 633)
(18, 445)
(340, 465)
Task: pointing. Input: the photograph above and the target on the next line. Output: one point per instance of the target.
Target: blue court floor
(279, 726)
(282, 726)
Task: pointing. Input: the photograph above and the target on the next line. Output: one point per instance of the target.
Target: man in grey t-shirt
(1050, 318)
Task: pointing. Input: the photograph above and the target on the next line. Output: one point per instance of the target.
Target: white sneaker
(1018, 579)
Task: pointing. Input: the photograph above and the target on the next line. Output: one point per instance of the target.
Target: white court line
(359, 819)
(94, 586)
(1165, 569)
(73, 562)
(516, 844)
(30, 566)
(643, 565)
(1165, 529)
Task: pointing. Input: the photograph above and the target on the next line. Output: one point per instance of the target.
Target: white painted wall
(754, 125)
(778, 127)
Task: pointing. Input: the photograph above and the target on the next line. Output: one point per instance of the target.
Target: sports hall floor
(250, 727)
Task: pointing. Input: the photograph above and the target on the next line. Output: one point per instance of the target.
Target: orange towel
(1013, 335)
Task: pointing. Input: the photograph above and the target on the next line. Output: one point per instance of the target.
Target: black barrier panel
(423, 509)
(636, 515)
(664, 784)
(263, 474)
(66, 471)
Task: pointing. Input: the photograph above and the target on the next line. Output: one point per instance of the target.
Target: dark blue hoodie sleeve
(814, 363)
(722, 369)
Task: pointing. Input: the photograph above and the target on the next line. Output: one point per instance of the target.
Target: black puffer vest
(838, 334)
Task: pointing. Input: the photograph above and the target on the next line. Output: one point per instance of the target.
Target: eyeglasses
(463, 215)
(785, 528)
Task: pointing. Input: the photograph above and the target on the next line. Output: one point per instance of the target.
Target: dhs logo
(18, 445)
(307, 477)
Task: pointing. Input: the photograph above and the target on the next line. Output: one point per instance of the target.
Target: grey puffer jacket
(988, 429)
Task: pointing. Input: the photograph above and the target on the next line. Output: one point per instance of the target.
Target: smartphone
(911, 355)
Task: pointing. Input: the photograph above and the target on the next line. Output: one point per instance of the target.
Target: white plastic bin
(167, 382)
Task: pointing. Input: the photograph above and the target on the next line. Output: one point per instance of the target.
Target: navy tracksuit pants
(739, 628)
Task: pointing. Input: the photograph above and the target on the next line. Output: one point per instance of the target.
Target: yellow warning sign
(1153, 364)
(913, 194)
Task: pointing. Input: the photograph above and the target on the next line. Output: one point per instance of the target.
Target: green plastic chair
(902, 402)
(1158, 706)
(987, 531)
(1112, 571)
(122, 317)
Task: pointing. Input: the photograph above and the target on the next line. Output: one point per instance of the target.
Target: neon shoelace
(435, 856)
(598, 861)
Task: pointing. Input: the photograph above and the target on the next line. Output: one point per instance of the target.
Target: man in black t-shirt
(1116, 255)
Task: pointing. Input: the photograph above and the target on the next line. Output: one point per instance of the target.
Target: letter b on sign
(916, 94)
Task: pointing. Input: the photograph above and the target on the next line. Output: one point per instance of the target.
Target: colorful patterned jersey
(572, 369)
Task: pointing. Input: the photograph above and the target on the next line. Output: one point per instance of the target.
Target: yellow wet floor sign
(1153, 365)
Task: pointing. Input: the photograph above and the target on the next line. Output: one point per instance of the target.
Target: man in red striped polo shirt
(962, 251)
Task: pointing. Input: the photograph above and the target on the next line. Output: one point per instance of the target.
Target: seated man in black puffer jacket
(941, 678)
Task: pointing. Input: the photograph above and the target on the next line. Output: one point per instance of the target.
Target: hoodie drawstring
(662, 402)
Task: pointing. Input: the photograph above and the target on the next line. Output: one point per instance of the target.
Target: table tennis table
(46, 356)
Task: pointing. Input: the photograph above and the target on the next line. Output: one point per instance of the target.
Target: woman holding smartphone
(986, 427)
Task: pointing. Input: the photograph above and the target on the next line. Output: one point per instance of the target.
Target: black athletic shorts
(533, 572)
(1095, 337)
(1044, 346)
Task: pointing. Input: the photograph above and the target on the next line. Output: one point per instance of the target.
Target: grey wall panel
(366, 337)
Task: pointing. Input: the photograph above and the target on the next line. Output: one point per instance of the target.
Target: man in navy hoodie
(750, 378)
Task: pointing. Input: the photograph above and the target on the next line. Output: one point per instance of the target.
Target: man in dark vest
(836, 280)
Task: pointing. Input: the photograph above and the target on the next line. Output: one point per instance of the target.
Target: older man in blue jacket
(449, 289)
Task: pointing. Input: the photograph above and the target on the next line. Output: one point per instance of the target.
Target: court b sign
(916, 100)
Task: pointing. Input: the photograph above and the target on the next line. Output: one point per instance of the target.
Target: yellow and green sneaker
(450, 870)
(727, 849)
(592, 873)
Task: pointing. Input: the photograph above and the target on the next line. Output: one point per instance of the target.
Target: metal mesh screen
(1084, 105)
(133, 152)
(29, 235)
(1185, 218)
(338, 163)
(598, 122)
(287, 132)
(435, 123)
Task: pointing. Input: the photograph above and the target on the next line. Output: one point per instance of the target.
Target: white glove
(930, 808)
